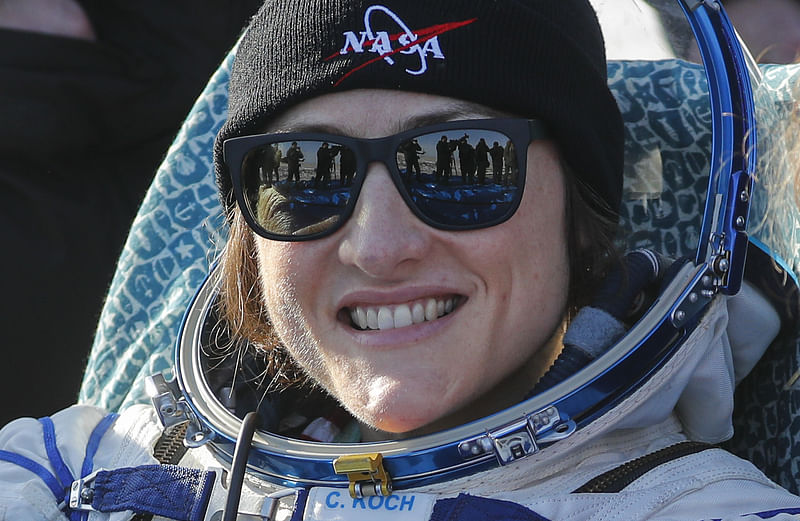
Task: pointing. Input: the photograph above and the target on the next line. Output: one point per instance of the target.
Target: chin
(396, 426)
(399, 403)
(399, 419)
(397, 422)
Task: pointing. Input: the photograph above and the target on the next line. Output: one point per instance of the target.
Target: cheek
(539, 234)
(294, 282)
(288, 297)
(274, 266)
(540, 224)
(287, 292)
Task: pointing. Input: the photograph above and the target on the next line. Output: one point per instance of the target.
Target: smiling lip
(396, 316)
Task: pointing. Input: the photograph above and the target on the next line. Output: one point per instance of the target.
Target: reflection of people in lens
(276, 163)
(269, 164)
(411, 151)
(497, 154)
(510, 158)
(444, 159)
(267, 157)
(347, 164)
(466, 159)
(294, 155)
(325, 155)
(482, 160)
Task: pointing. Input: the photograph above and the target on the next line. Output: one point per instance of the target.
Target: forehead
(375, 113)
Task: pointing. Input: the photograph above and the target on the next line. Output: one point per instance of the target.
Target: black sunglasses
(459, 175)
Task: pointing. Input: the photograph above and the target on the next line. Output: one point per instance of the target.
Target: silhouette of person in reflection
(347, 165)
(325, 155)
(497, 153)
(268, 166)
(294, 156)
(411, 151)
(482, 160)
(444, 158)
(323, 174)
(276, 163)
(466, 159)
(510, 158)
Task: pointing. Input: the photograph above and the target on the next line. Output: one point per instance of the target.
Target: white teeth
(385, 320)
(394, 317)
(360, 318)
(372, 318)
(430, 309)
(402, 316)
(418, 313)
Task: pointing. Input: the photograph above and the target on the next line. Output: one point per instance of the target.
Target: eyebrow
(452, 112)
(458, 110)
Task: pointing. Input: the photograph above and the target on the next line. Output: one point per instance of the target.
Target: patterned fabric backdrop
(180, 229)
(174, 237)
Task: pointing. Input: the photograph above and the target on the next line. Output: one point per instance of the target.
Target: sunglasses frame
(383, 150)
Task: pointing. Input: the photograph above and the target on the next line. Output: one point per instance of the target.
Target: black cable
(239, 466)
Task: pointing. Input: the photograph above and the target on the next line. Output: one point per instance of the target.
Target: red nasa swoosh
(423, 36)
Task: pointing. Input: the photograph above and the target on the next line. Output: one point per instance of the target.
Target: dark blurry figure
(269, 166)
(770, 28)
(411, 151)
(294, 156)
(324, 164)
(347, 164)
(92, 93)
(510, 160)
(277, 163)
(497, 154)
(272, 162)
(482, 160)
(444, 159)
(466, 159)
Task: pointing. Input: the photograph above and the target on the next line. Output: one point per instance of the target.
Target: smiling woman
(420, 294)
(501, 289)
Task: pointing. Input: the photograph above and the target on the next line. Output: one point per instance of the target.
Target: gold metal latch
(366, 474)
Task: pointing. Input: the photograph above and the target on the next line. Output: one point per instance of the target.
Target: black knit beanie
(533, 58)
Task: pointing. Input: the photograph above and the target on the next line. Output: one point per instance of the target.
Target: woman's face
(507, 285)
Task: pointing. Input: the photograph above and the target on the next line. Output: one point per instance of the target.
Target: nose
(383, 238)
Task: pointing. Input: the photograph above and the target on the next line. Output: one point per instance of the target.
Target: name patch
(335, 504)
